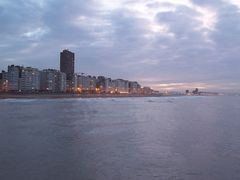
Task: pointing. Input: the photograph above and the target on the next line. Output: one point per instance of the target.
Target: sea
(144, 138)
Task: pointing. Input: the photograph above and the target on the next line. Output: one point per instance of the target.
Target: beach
(70, 95)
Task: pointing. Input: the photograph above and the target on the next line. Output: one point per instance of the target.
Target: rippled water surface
(120, 138)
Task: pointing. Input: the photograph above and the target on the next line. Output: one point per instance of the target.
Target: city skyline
(20, 79)
(164, 44)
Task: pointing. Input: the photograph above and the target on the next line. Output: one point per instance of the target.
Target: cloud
(167, 41)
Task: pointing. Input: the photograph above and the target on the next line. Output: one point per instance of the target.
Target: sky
(168, 45)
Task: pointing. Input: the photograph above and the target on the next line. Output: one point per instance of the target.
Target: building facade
(67, 63)
(146, 91)
(110, 86)
(134, 87)
(121, 86)
(72, 84)
(3, 82)
(29, 79)
(67, 59)
(101, 84)
(53, 81)
(13, 75)
(86, 84)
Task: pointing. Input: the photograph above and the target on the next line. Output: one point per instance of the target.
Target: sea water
(120, 138)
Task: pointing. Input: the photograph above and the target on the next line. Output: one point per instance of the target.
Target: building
(72, 84)
(86, 84)
(21, 79)
(196, 91)
(134, 87)
(29, 79)
(101, 84)
(67, 63)
(13, 75)
(61, 82)
(107, 85)
(3, 82)
(121, 86)
(146, 91)
(110, 87)
(53, 81)
(67, 66)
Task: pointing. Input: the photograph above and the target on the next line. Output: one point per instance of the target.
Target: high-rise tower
(67, 63)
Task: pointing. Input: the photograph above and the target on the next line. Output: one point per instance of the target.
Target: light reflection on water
(120, 138)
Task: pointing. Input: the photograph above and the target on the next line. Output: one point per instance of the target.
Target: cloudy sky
(165, 44)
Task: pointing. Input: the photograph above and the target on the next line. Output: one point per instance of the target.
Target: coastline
(64, 96)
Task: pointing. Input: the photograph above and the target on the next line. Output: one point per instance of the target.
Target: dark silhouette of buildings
(32, 80)
(195, 91)
(67, 63)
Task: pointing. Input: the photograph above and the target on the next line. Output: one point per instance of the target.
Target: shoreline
(68, 96)
(64, 96)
